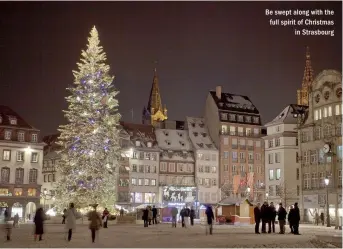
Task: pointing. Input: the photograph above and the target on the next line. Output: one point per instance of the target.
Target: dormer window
(166, 133)
(149, 144)
(168, 142)
(223, 116)
(204, 134)
(201, 145)
(138, 143)
(34, 138)
(182, 143)
(256, 120)
(180, 134)
(201, 125)
(240, 118)
(232, 117)
(193, 124)
(21, 136)
(209, 146)
(8, 135)
(195, 134)
(248, 119)
(13, 121)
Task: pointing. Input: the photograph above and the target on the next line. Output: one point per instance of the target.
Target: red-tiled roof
(5, 114)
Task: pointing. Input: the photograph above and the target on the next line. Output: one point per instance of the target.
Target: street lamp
(248, 193)
(46, 197)
(267, 196)
(326, 181)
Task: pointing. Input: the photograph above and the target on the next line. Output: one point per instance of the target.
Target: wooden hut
(237, 212)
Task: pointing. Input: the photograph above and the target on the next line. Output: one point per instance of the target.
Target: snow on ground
(164, 236)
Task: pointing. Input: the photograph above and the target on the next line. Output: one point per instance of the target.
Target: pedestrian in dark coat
(282, 218)
(182, 214)
(264, 216)
(322, 218)
(290, 218)
(192, 216)
(210, 218)
(145, 217)
(39, 223)
(154, 215)
(296, 219)
(272, 214)
(257, 216)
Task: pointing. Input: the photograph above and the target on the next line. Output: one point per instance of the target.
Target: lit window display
(31, 192)
(138, 198)
(18, 191)
(149, 197)
(3, 192)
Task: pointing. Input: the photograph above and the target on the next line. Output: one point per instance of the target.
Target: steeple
(154, 110)
(303, 93)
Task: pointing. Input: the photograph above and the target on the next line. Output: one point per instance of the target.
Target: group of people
(149, 215)
(267, 213)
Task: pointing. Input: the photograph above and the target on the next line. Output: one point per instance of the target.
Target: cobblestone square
(163, 235)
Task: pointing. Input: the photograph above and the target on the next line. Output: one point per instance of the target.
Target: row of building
(226, 155)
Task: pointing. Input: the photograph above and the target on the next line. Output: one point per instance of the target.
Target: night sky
(198, 45)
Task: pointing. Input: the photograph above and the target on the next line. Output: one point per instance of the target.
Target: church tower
(303, 93)
(154, 112)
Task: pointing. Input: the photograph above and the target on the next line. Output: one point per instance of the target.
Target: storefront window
(149, 198)
(18, 191)
(31, 192)
(3, 192)
(138, 198)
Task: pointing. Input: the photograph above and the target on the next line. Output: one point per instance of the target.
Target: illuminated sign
(179, 194)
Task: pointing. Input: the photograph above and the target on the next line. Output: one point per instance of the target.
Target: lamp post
(46, 197)
(326, 180)
(267, 196)
(248, 193)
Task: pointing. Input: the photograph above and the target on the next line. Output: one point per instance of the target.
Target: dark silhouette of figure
(192, 216)
(154, 215)
(272, 215)
(257, 215)
(39, 223)
(64, 216)
(296, 219)
(264, 216)
(290, 219)
(210, 218)
(282, 218)
(145, 217)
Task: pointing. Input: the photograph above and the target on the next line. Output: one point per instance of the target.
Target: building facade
(20, 165)
(206, 161)
(234, 125)
(320, 137)
(154, 112)
(144, 162)
(282, 165)
(176, 179)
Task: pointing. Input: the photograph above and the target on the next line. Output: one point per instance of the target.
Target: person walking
(322, 218)
(39, 223)
(16, 221)
(257, 216)
(316, 217)
(282, 218)
(95, 222)
(145, 216)
(264, 216)
(182, 214)
(296, 219)
(122, 212)
(192, 216)
(290, 219)
(154, 215)
(105, 216)
(8, 226)
(64, 216)
(149, 215)
(71, 216)
(187, 214)
(174, 213)
(272, 213)
(210, 218)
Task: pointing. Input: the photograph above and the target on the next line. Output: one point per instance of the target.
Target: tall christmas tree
(90, 141)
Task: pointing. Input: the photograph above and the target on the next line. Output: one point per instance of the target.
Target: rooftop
(289, 115)
(173, 140)
(198, 134)
(8, 117)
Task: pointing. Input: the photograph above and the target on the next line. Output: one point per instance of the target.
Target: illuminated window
(31, 192)
(21, 136)
(20, 156)
(6, 155)
(18, 191)
(34, 138)
(320, 114)
(337, 110)
(33, 174)
(138, 198)
(325, 112)
(5, 175)
(316, 115)
(329, 111)
(134, 181)
(146, 182)
(8, 135)
(271, 174)
(278, 174)
(3, 192)
(149, 197)
(34, 157)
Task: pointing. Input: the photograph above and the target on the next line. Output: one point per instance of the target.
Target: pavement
(164, 236)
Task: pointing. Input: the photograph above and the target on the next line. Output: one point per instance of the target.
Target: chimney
(219, 92)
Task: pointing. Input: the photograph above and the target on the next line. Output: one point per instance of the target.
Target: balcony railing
(250, 147)
(242, 147)
(250, 160)
(242, 160)
(241, 134)
(234, 160)
(234, 146)
(48, 169)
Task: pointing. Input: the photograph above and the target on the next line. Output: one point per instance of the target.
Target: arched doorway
(17, 208)
(3, 206)
(30, 210)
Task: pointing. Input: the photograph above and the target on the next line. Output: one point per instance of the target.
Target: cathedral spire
(303, 93)
(156, 111)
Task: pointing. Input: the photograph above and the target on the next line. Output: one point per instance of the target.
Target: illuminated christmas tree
(90, 140)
